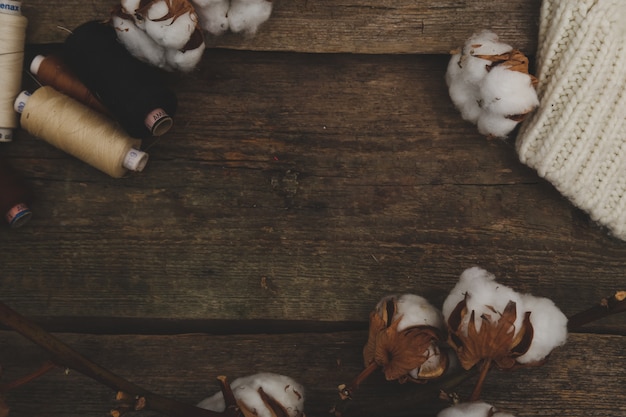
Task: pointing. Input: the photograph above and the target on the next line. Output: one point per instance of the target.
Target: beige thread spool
(80, 131)
(12, 36)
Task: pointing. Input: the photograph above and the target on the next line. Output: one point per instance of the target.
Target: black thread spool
(14, 196)
(132, 91)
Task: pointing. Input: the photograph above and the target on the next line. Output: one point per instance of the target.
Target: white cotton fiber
(507, 92)
(416, 311)
(472, 409)
(492, 124)
(184, 61)
(247, 15)
(484, 295)
(549, 325)
(548, 322)
(171, 33)
(158, 32)
(482, 90)
(213, 15)
(283, 389)
(485, 42)
(138, 43)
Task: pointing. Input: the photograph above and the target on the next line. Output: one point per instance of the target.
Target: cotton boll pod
(480, 292)
(247, 15)
(262, 395)
(169, 23)
(490, 323)
(136, 41)
(213, 15)
(404, 335)
(488, 82)
(164, 33)
(472, 409)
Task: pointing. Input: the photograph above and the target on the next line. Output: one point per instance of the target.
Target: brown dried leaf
(398, 353)
(497, 340)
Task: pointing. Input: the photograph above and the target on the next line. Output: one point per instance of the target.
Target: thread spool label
(16, 212)
(153, 117)
(11, 7)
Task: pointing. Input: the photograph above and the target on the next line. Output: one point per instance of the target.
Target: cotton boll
(507, 92)
(213, 15)
(173, 32)
(495, 125)
(416, 311)
(284, 390)
(137, 42)
(549, 326)
(472, 409)
(247, 15)
(483, 294)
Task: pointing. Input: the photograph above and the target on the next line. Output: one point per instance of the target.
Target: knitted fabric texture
(576, 139)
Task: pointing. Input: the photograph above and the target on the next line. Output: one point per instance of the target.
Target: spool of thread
(12, 37)
(80, 131)
(14, 197)
(133, 91)
(51, 70)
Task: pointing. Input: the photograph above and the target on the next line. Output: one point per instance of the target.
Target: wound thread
(132, 90)
(80, 131)
(51, 70)
(12, 35)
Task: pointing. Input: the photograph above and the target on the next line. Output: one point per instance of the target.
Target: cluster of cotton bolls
(485, 323)
(245, 16)
(163, 33)
(262, 395)
(473, 409)
(484, 296)
(168, 34)
(489, 84)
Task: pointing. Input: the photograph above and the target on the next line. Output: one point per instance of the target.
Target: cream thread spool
(80, 131)
(12, 38)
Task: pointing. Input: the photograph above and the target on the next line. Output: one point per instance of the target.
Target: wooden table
(311, 170)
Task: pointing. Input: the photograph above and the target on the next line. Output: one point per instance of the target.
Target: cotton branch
(65, 356)
(606, 307)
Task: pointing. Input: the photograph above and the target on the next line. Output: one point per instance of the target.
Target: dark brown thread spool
(14, 197)
(51, 70)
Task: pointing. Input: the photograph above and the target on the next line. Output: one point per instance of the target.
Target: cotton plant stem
(405, 406)
(608, 306)
(65, 356)
(43, 369)
(478, 388)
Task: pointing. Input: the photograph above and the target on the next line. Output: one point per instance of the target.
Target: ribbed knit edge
(576, 139)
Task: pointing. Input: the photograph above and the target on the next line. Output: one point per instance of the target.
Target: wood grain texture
(354, 26)
(582, 378)
(298, 187)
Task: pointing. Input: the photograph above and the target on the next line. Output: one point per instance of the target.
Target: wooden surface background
(311, 170)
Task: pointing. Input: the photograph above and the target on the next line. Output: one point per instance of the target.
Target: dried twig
(606, 307)
(65, 356)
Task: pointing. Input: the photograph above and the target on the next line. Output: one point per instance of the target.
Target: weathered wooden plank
(335, 178)
(582, 378)
(355, 26)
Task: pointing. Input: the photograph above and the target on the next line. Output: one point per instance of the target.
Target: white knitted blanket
(576, 139)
